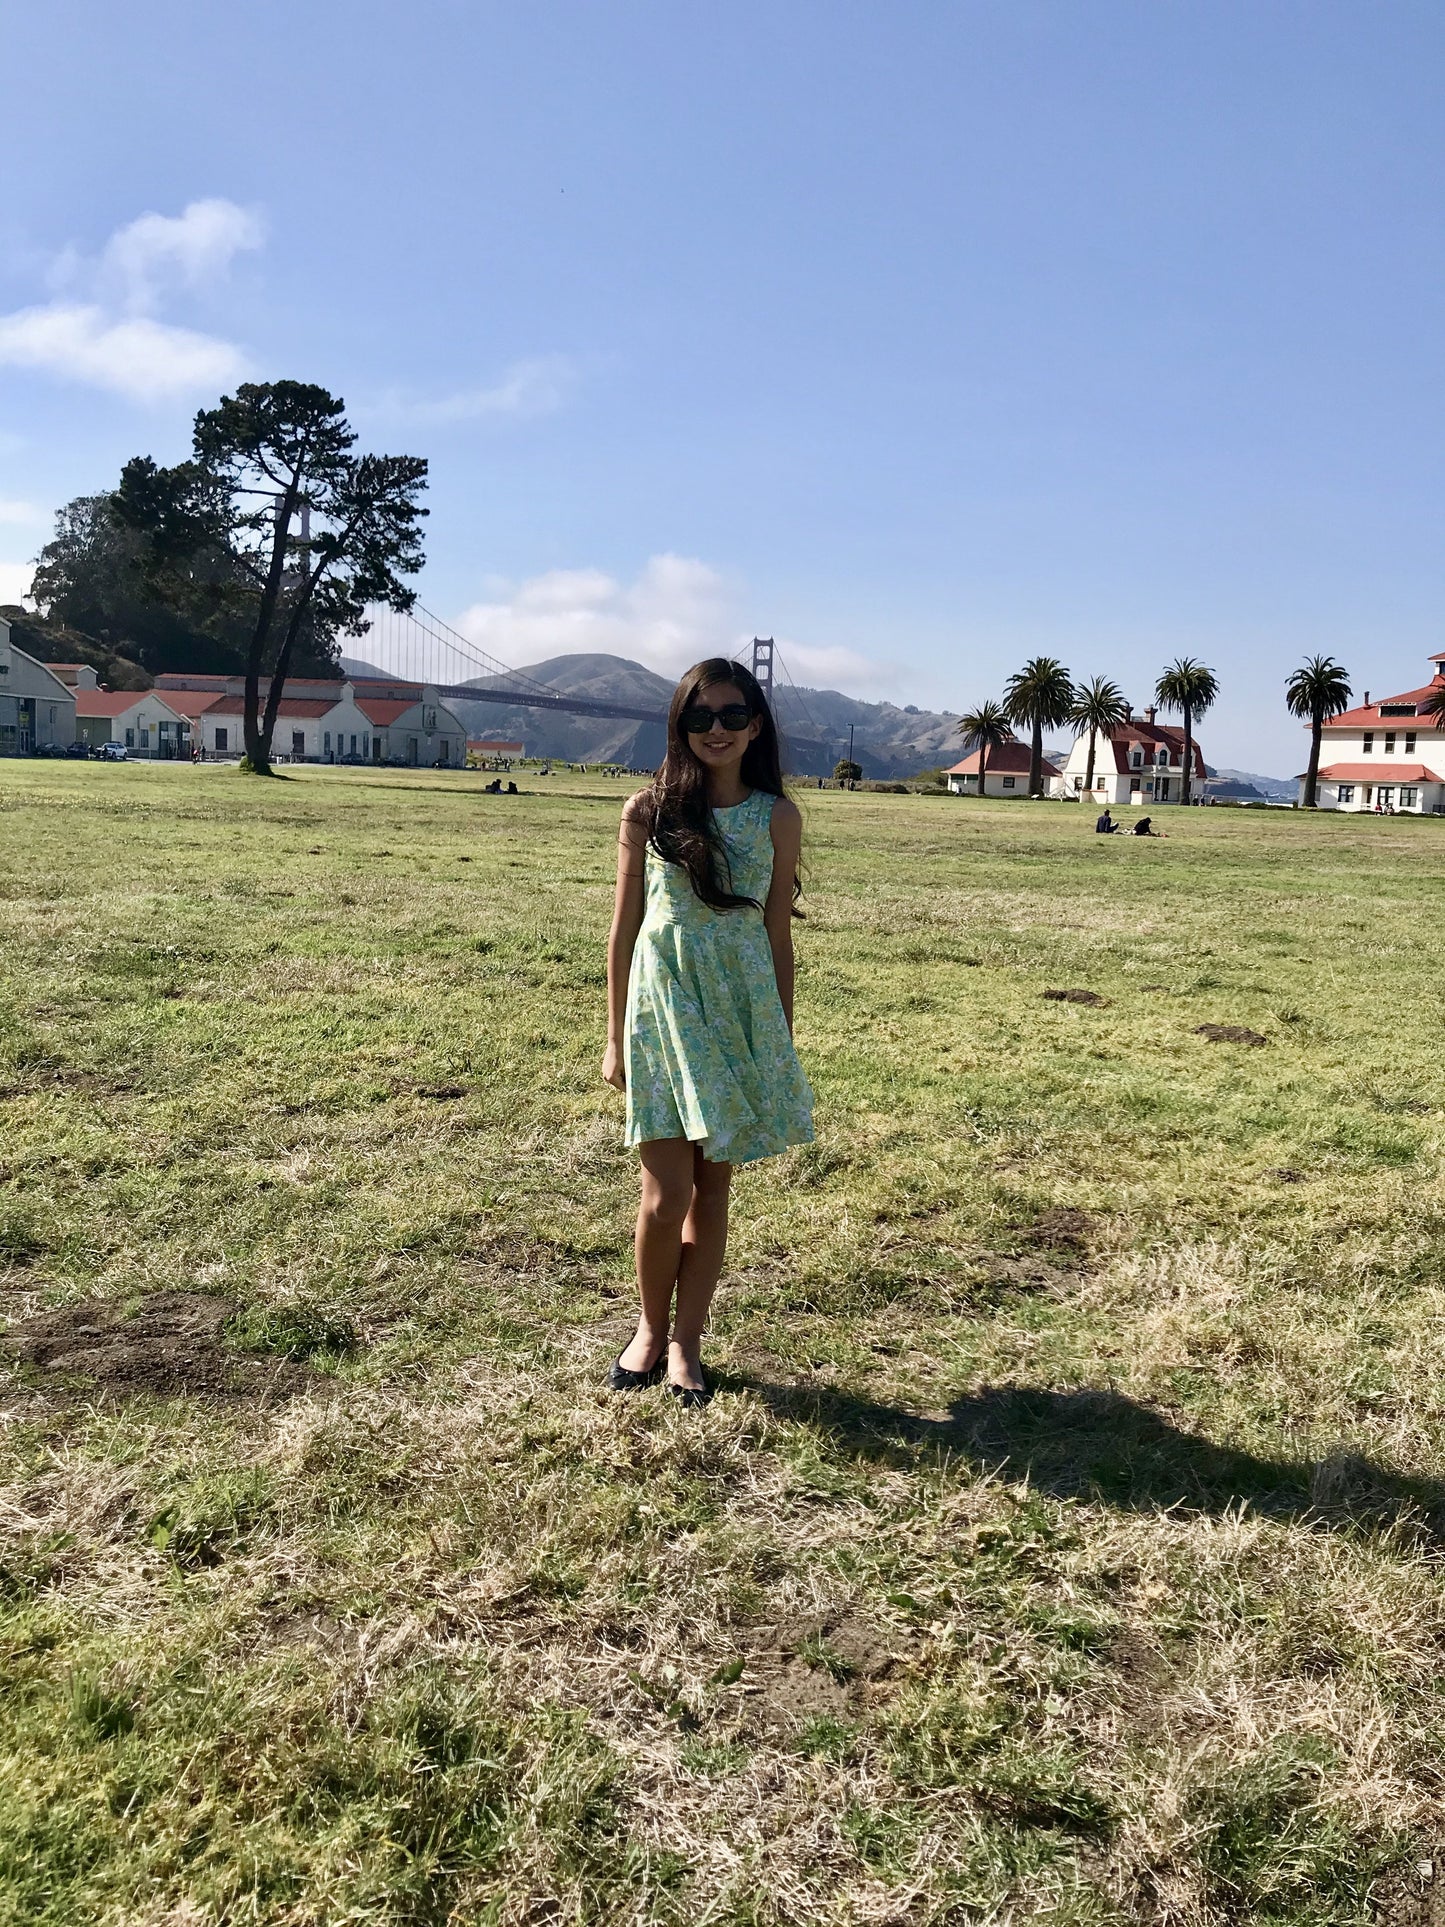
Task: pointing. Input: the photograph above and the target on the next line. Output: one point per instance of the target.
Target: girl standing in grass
(700, 1002)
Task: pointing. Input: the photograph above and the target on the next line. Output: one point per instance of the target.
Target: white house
(1387, 755)
(37, 710)
(1141, 761)
(1008, 772)
(321, 721)
(141, 719)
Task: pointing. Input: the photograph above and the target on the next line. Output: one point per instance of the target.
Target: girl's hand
(613, 1072)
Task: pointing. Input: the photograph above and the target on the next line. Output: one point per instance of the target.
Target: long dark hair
(676, 811)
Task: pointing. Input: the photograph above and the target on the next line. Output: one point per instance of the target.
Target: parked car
(49, 749)
(112, 752)
(78, 749)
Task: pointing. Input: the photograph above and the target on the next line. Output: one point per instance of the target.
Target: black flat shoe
(690, 1397)
(619, 1379)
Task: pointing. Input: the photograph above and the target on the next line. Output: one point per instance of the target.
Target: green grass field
(1064, 1543)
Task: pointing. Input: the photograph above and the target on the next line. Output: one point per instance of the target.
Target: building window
(1385, 796)
(353, 745)
(1347, 792)
(1008, 782)
(1368, 746)
(221, 739)
(1409, 742)
(429, 722)
(1136, 759)
(365, 744)
(298, 742)
(1389, 742)
(326, 742)
(145, 736)
(1409, 798)
(1133, 785)
(130, 739)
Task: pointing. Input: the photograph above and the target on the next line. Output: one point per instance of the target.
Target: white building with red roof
(1141, 761)
(1387, 755)
(320, 721)
(141, 719)
(1007, 775)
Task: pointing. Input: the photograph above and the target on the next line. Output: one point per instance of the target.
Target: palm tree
(1041, 695)
(1315, 692)
(985, 729)
(1187, 685)
(1099, 706)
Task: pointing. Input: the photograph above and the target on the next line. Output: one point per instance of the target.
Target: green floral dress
(708, 1054)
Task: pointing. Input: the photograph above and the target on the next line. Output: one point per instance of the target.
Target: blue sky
(924, 336)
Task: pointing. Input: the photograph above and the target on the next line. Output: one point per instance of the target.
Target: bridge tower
(763, 664)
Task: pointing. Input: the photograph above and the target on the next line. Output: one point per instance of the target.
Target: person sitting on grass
(1106, 826)
(700, 1003)
(1145, 827)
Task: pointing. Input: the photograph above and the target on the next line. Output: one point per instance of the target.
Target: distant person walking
(700, 1003)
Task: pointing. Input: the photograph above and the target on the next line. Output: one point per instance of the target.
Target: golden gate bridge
(415, 646)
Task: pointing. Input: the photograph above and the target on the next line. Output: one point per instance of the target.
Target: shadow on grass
(1111, 1450)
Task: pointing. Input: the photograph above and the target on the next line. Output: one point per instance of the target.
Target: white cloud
(192, 248)
(15, 581)
(537, 386)
(22, 514)
(103, 331)
(676, 611)
(142, 359)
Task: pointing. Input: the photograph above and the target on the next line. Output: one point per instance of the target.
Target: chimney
(1367, 699)
(1149, 714)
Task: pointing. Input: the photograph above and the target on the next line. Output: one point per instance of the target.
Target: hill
(888, 740)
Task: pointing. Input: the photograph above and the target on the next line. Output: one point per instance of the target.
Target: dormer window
(1136, 759)
(1367, 748)
(1162, 759)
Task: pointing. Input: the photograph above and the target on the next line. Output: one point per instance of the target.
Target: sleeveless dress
(708, 1054)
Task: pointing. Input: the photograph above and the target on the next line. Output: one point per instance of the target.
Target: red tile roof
(1009, 759)
(191, 702)
(1382, 770)
(1151, 738)
(114, 702)
(1368, 716)
(386, 709)
(235, 706)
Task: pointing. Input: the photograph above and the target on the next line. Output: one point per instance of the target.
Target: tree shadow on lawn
(1111, 1450)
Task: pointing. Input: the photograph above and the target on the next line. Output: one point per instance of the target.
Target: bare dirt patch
(170, 1343)
(1062, 1227)
(1229, 1034)
(1075, 997)
(825, 1667)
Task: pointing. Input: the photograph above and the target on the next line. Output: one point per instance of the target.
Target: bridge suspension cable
(417, 646)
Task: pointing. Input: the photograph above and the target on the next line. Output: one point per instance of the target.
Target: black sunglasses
(698, 719)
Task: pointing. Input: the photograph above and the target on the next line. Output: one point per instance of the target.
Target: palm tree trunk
(1036, 758)
(1089, 771)
(983, 767)
(1312, 774)
(1188, 771)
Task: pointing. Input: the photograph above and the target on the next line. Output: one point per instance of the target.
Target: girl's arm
(627, 911)
(778, 911)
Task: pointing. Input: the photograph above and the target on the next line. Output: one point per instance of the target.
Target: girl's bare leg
(667, 1195)
(704, 1245)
